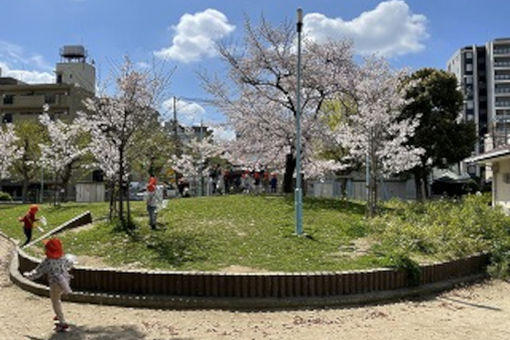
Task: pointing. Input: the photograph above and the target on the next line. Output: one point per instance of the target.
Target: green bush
(401, 261)
(5, 196)
(446, 228)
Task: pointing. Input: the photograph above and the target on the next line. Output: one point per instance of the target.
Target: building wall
(79, 74)
(501, 184)
(498, 90)
(468, 66)
(22, 102)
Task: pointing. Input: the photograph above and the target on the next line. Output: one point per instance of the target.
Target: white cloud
(16, 55)
(389, 29)
(143, 65)
(195, 36)
(18, 61)
(30, 77)
(222, 133)
(187, 112)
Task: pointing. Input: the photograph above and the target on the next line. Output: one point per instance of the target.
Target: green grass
(211, 233)
(55, 215)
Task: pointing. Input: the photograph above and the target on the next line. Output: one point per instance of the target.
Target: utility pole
(298, 193)
(176, 137)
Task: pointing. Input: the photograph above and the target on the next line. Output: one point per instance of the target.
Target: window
(469, 80)
(59, 78)
(469, 67)
(8, 99)
(469, 55)
(97, 176)
(50, 98)
(7, 118)
(469, 104)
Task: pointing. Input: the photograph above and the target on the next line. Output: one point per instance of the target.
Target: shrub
(5, 196)
(448, 228)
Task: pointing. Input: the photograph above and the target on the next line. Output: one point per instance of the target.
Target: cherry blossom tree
(64, 151)
(372, 133)
(114, 120)
(260, 98)
(9, 152)
(194, 160)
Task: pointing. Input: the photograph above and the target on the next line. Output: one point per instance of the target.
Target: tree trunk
(24, 190)
(121, 186)
(112, 200)
(425, 181)
(417, 185)
(130, 225)
(343, 188)
(290, 165)
(65, 181)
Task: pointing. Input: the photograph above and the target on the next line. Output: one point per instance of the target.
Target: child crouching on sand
(56, 266)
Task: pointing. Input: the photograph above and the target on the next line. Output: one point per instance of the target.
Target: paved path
(475, 312)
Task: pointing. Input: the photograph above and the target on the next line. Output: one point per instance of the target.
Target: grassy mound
(256, 233)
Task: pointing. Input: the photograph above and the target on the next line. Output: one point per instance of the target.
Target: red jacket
(28, 220)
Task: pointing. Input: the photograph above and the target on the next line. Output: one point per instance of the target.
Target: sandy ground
(480, 311)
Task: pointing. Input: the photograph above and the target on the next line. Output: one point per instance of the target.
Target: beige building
(75, 81)
(498, 160)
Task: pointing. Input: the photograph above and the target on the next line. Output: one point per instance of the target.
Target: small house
(498, 160)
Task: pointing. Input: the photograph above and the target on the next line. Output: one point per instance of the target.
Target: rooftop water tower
(74, 69)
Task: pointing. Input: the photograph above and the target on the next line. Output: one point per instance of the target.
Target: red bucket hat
(53, 248)
(152, 184)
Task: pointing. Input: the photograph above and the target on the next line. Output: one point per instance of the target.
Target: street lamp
(298, 193)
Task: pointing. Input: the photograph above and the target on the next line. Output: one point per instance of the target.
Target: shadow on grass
(318, 203)
(177, 249)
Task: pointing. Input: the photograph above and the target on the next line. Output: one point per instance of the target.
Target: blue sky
(411, 33)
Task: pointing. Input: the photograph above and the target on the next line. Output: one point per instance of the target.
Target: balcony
(502, 64)
(502, 104)
(35, 102)
(502, 91)
(502, 51)
(502, 78)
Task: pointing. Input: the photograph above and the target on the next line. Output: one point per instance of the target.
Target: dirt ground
(481, 311)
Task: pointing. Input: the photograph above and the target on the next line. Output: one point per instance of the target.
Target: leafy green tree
(447, 139)
(27, 168)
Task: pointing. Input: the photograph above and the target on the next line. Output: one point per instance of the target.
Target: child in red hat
(28, 222)
(152, 202)
(56, 266)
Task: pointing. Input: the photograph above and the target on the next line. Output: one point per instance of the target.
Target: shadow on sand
(123, 332)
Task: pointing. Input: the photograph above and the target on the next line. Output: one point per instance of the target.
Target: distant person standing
(152, 202)
(273, 183)
(265, 181)
(226, 181)
(256, 180)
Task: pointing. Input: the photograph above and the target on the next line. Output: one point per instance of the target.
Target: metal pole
(298, 194)
(176, 138)
(42, 186)
(202, 165)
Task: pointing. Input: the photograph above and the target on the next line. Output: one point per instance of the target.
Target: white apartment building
(483, 73)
